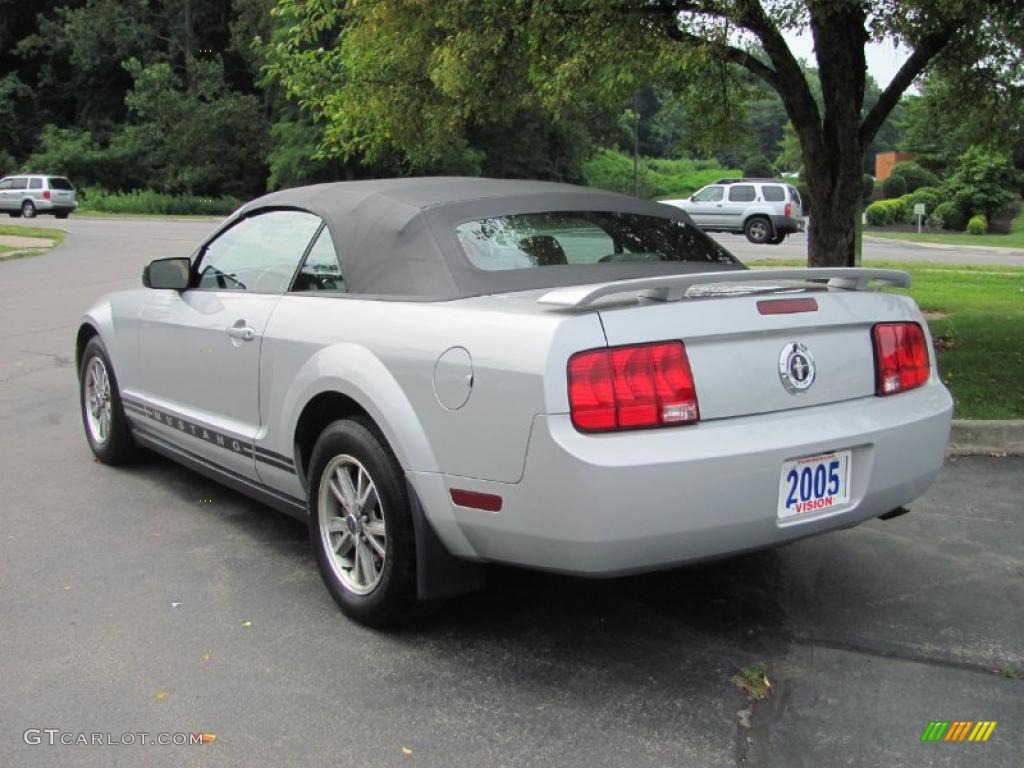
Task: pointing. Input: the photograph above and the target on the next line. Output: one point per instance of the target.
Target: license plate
(814, 484)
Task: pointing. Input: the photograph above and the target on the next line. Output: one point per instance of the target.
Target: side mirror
(174, 274)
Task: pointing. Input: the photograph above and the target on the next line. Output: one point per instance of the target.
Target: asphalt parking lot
(148, 599)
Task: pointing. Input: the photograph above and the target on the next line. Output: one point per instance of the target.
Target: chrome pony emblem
(796, 367)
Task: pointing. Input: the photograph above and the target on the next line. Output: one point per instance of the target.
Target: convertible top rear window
(530, 240)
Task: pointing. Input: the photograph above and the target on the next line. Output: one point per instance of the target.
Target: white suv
(29, 194)
(765, 210)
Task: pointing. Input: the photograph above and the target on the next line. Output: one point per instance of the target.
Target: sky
(884, 59)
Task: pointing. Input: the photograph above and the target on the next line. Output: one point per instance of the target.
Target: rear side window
(773, 194)
(20, 183)
(794, 195)
(35, 183)
(741, 193)
(531, 240)
(259, 254)
(57, 182)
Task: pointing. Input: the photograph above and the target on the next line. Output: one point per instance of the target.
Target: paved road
(119, 585)
(881, 249)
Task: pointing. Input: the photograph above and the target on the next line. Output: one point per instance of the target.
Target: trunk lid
(741, 358)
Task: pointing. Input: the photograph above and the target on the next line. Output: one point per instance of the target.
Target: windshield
(530, 240)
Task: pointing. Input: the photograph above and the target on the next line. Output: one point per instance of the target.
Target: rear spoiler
(665, 287)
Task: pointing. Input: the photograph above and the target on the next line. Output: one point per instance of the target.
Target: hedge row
(150, 202)
(900, 210)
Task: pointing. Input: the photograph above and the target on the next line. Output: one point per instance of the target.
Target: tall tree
(412, 75)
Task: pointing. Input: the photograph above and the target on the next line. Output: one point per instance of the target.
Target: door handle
(241, 331)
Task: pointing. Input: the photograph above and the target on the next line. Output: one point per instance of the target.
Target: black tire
(758, 230)
(393, 599)
(28, 209)
(777, 238)
(61, 214)
(118, 447)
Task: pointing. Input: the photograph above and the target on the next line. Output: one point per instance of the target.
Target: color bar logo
(958, 730)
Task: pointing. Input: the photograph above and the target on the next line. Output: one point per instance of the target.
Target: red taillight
(46, 194)
(901, 357)
(789, 209)
(642, 385)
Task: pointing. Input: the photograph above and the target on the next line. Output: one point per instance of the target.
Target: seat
(543, 250)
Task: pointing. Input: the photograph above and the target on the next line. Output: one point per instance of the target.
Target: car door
(200, 348)
(705, 207)
(17, 193)
(738, 199)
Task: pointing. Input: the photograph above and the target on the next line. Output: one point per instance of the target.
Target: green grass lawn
(980, 341)
(57, 235)
(1015, 239)
(11, 252)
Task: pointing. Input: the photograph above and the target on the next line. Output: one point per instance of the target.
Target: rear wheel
(61, 214)
(758, 230)
(360, 524)
(28, 209)
(777, 238)
(106, 426)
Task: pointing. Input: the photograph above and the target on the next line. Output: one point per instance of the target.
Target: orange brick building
(884, 161)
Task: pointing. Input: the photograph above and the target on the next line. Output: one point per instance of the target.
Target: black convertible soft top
(396, 237)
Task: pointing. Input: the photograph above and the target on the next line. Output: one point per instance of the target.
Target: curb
(984, 438)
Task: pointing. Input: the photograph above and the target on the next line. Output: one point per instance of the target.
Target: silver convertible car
(443, 373)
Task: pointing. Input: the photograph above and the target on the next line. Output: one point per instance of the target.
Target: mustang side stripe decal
(276, 456)
(199, 431)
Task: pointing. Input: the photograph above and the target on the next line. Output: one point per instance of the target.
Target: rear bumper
(604, 505)
(787, 224)
(51, 206)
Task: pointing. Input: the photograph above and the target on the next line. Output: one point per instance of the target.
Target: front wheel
(106, 426)
(28, 209)
(360, 524)
(758, 230)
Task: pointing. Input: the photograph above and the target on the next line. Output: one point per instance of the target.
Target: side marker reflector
(488, 502)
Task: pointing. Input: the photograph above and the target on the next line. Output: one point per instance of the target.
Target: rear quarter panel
(383, 355)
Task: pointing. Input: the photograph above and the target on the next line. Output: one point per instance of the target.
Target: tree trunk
(835, 205)
(834, 157)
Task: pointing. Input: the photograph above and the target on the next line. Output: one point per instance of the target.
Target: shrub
(659, 177)
(977, 225)
(758, 167)
(914, 175)
(948, 215)
(882, 213)
(146, 201)
(930, 196)
(982, 182)
(894, 186)
(8, 164)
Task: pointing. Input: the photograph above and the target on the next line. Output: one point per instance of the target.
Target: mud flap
(438, 573)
